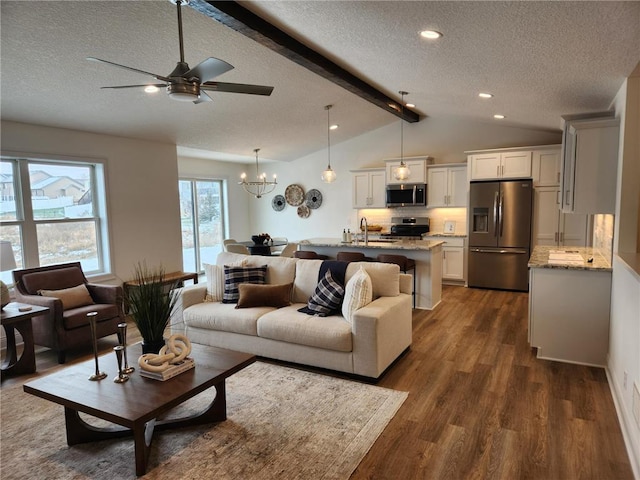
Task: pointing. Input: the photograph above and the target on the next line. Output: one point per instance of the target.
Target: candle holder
(122, 329)
(92, 322)
(122, 377)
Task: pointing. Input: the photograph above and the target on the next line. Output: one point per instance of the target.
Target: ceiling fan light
(183, 97)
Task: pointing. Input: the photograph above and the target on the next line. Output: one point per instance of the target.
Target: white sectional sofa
(366, 345)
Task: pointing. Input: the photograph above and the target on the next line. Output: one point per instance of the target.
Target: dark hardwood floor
(480, 405)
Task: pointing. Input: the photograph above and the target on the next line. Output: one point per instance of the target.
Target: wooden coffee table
(136, 404)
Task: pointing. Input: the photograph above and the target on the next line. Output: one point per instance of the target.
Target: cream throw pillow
(71, 297)
(215, 280)
(357, 293)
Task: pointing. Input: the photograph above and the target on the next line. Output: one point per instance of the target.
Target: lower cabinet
(569, 314)
(452, 259)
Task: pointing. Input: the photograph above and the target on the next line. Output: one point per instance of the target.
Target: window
(53, 211)
(201, 211)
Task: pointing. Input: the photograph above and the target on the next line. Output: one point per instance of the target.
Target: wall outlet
(636, 403)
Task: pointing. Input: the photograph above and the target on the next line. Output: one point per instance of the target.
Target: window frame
(27, 224)
(193, 180)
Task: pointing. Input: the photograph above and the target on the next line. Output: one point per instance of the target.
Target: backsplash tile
(603, 234)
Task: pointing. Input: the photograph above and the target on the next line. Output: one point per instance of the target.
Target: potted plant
(151, 299)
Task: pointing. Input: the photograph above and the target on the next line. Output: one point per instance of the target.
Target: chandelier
(328, 176)
(402, 172)
(259, 187)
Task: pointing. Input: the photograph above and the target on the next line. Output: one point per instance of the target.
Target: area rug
(281, 423)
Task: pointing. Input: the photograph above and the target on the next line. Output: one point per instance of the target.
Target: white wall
(142, 181)
(445, 139)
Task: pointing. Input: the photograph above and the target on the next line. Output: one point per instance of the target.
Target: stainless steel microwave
(407, 195)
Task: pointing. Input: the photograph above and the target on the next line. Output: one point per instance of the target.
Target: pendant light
(258, 187)
(402, 172)
(328, 176)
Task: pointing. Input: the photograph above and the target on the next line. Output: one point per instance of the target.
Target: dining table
(262, 249)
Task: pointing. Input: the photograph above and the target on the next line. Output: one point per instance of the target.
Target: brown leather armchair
(62, 329)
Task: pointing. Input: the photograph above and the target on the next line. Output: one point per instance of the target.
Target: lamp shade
(7, 259)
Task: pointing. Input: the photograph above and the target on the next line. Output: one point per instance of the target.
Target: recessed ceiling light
(430, 34)
(485, 95)
(410, 105)
(499, 116)
(151, 89)
(334, 127)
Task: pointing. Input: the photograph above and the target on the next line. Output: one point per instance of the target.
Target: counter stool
(351, 257)
(307, 254)
(405, 265)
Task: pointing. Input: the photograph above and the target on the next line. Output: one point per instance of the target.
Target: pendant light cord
(327, 108)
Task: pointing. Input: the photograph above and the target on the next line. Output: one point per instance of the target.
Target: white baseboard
(627, 422)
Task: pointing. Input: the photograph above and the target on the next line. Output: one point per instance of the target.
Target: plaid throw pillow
(234, 276)
(327, 297)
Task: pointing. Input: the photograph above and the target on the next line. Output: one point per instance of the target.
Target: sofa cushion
(357, 293)
(276, 296)
(280, 270)
(327, 297)
(234, 276)
(306, 279)
(288, 325)
(224, 317)
(72, 297)
(52, 279)
(385, 277)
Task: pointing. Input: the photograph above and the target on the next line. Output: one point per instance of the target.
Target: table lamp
(7, 262)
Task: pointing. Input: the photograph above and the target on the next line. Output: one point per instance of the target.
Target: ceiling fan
(191, 84)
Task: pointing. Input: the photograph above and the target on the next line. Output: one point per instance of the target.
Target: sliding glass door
(201, 211)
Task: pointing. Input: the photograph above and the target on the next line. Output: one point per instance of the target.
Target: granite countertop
(540, 258)
(388, 244)
(441, 234)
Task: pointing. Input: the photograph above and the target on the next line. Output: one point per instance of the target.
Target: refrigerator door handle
(495, 215)
(500, 205)
(502, 252)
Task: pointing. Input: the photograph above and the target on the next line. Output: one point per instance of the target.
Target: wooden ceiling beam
(238, 18)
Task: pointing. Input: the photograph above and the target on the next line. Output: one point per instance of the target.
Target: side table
(13, 319)
(169, 278)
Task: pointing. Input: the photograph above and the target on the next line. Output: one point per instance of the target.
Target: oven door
(406, 195)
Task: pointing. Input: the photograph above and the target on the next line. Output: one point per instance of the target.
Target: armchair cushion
(52, 279)
(77, 317)
(71, 297)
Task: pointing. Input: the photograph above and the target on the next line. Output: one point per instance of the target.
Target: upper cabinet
(546, 166)
(417, 170)
(489, 165)
(589, 165)
(369, 188)
(447, 186)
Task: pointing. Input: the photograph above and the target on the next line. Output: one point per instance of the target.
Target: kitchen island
(426, 253)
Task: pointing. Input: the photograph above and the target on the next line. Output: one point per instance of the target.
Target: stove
(408, 228)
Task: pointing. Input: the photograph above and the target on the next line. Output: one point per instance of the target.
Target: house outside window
(54, 211)
(202, 204)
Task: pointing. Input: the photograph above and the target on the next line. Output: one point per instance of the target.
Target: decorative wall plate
(294, 194)
(303, 211)
(313, 199)
(278, 203)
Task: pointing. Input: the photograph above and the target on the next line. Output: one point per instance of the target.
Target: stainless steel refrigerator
(500, 234)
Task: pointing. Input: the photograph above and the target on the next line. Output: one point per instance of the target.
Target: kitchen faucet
(366, 230)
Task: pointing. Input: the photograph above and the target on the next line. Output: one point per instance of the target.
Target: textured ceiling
(540, 59)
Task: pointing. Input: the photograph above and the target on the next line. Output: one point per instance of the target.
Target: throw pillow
(327, 297)
(234, 276)
(71, 297)
(253, 295)
(357, 293)
(215, 280)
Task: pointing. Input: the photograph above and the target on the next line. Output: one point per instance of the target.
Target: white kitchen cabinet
(500, 164)
(545, 166)
(569, 314)
(417, 170)
(589, 165)
(447, 186)
(452, 259)
(553, 227)
(369, 188)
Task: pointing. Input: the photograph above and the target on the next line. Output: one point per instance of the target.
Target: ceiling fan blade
(208, 69)
(159, 77)
(203, 98)
(237, 88)
(158, 85)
